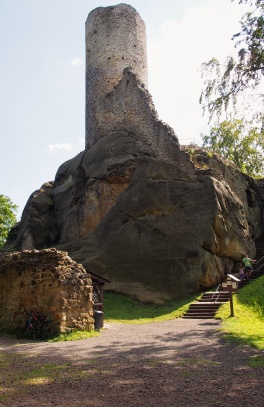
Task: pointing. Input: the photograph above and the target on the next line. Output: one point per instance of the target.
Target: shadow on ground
(177, 363)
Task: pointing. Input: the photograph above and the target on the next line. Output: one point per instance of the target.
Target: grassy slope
(247, 326)
(121, 308)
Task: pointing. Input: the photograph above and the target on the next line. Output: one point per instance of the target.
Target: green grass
(20, 373)
(73, 336)
(122, 308)
(247, 325)
(256, 361)
(70, 336)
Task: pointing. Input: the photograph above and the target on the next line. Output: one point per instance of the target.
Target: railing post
(231, 302)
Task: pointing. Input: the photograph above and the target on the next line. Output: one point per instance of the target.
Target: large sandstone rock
(157, 229)
(39, 227)
(157, 220)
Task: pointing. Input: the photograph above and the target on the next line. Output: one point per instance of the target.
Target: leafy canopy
(240, 77)
(7, 217)
(237, 141)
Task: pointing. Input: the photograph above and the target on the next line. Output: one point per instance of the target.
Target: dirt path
(168, 364)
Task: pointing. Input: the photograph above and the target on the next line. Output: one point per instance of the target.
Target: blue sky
(42, 81)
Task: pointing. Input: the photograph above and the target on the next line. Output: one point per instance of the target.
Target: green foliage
(121, 308)
(240, 76)
(238, 142)
(7, 217)
(191, 151)
(248, 324)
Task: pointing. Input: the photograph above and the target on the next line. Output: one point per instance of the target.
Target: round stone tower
(115, 40)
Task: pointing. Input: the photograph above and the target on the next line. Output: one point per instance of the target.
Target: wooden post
(231, 301)
(231, 285)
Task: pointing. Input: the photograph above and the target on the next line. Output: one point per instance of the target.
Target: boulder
(158, 220)
(38, 227)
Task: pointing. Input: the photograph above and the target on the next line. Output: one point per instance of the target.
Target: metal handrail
(260, 259)
(260, 265)
(216, 291)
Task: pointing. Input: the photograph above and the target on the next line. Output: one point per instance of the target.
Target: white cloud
(53, 148)
(76, 61)
(174, 62)
(66, 148)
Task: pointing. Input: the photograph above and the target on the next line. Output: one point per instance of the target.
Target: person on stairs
(247, 261)
(241, 273)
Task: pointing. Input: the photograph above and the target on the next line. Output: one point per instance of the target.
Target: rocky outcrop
(46, 281)
(39, 227)
(157, 228)
(157, 220)
(246, 190)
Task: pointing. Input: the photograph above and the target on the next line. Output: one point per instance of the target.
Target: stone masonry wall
(129, 107)
(115, 40)
(48, 281)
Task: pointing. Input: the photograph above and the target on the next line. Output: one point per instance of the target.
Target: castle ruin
(115, 40)
(157, 220)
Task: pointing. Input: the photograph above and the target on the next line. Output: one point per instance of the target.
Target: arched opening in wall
(249, 198)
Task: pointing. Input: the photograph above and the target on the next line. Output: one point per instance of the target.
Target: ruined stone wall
(129, 107)
(48, 281)
(115, 39)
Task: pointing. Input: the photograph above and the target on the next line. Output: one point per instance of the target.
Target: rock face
(47, 281)
(158, 220)
(39, 228)
(157, 227)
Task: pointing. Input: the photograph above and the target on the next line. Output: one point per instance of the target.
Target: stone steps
(207, 306)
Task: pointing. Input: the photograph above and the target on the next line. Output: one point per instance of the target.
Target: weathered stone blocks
(115, 40)
(48, 281)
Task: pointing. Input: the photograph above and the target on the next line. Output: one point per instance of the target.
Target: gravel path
(167, 364)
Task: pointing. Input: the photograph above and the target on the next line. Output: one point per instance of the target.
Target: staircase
(259, 266)
(208, 304)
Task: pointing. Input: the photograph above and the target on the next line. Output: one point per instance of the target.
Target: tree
(240, 76)
(7, 217)
(239, 142)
